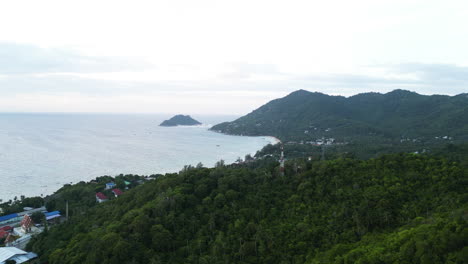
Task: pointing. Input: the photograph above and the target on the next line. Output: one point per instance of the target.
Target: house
(110, 185)
(100, 197)
(15, 254)
(117, 192)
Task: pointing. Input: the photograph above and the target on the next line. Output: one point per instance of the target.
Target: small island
(180, 120)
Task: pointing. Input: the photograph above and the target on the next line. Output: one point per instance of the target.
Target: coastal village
(17, 229)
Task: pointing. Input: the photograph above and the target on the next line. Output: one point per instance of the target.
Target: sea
(41, 152)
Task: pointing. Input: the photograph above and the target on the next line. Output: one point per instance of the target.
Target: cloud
(29, 59)
(242, 87)
(440, 73)
(448, 79)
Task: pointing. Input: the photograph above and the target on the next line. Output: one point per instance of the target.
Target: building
(15, 254)
(26, 224)
(5, 231)
(11, 218)
(6, 228)
(127, 184)
(117, 192)
(52, 215)
(100, 197)
(110, 185)
(3, 234)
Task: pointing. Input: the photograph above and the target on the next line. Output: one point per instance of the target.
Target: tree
(37, 217)
(248, 158)
(219, 164)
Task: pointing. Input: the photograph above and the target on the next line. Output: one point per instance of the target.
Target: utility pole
(282, 160)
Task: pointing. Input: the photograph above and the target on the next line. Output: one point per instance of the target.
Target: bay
(39, 153)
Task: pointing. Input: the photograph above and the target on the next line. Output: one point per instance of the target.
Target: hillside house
(100, 197)
(110, 185)
(117, 192)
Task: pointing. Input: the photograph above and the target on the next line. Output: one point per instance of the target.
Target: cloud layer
(30, 59)
(213, 56)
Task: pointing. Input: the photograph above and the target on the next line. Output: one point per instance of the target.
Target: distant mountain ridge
(304, 115)
(180, 120)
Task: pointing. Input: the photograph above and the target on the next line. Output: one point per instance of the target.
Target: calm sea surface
(39, 153)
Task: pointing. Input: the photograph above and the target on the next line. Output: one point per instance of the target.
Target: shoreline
(50, 189)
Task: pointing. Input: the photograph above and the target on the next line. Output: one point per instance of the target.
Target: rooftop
(117, 192)
(7, 217)
(18, 255)
(101, 196)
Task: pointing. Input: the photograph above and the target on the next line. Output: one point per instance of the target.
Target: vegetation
(180, 120)
(400, 208)
(82, 196)
(16, 206)
(396, 117)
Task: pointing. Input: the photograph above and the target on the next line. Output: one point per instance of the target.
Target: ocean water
(39, 153)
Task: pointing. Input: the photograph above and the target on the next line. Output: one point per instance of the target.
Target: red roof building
(117, 192)
(100, 197)
(3, 234)
(6, 228)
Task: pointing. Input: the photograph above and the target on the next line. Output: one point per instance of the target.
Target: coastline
(43, 186)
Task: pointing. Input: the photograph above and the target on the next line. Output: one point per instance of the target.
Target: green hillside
(392, 117)
(394, 209)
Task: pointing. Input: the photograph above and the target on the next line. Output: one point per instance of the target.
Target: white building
(18, 255)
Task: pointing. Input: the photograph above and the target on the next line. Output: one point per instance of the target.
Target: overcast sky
(223, 57)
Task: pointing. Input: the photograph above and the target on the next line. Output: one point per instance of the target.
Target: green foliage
(37, 217)
(17, 206)
(370, 117)
(425, 240)
(394, 209)
(82, 196)
(180, 120)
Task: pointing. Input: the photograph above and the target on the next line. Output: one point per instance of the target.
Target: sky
(223, 57)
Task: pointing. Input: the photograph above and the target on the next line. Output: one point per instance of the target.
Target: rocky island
(180, 120)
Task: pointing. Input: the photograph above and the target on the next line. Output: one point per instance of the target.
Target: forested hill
(180, 120)
(397, 115)
(394, 209)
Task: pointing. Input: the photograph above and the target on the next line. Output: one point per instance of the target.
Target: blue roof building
(52, 215)
(9, 218)
(110, 185)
